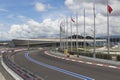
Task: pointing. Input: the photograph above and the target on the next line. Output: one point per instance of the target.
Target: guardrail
(22, 73)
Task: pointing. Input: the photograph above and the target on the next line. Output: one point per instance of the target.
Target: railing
(25, 74)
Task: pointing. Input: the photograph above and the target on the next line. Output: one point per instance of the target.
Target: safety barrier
(15, 70)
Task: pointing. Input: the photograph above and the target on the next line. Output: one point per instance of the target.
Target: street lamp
(28, 44)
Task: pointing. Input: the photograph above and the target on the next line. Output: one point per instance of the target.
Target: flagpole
(62, 40)
(84, 33)
(94, 52)
(71, 35)
(67, 33)
(60, 36)
(28, 45)
(77, 33)
(64, 36)
(108, 42)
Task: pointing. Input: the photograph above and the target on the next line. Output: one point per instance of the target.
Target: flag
(61, 29)
(72, 19)
(110, 9)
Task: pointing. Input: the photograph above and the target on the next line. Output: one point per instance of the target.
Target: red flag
(110, 9)
(72, 19)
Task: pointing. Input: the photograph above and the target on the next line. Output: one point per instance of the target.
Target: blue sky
(25, 8)
(42, 17)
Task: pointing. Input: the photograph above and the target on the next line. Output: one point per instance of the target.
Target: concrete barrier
(15, 71)
(12, 73)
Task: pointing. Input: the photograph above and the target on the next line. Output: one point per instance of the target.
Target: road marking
(67, 59)
(99, 64)
(112, 66)
(72, 60)
(57, 69)
(80, 61)
(62, 58)
(88, 62)
(91, 63)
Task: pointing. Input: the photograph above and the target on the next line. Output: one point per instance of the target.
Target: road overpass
(52, 41)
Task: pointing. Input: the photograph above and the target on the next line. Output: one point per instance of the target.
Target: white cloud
(40, 7)
(3, 10)
(1, 25)
(33, 23)
(49, 27)
(11, 16)
(71, 4)
(101, 11)
(21, 17)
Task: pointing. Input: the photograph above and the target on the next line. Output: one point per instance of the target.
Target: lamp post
(28, 44)
(94, 52)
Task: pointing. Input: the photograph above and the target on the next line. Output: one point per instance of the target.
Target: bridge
(52, 41)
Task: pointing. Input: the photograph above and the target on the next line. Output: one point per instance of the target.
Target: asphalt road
(91, 71)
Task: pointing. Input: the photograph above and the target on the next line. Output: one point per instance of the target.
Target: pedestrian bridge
(51, 41)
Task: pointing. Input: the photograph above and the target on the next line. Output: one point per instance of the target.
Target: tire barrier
(16, 70)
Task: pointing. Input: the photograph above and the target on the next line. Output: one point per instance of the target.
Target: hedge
(89, 54)
(118, 57)
(104, 56)
(98, 55)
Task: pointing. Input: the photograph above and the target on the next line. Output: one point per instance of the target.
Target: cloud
(49, 27)
(19, 31)
(72, 5)
(1, 25)
(21, 17)
(34, 23)
(3, 10)
(101, 6)
(101, 14)
(11, 16)
(40, 7)
(34, 29)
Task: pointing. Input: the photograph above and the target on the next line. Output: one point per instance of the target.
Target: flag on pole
(61, 29)
(72, 19)
(110, 9)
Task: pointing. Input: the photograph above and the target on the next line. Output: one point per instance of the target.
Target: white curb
(12, 73)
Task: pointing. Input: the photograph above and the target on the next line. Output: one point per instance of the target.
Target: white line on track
(91, 63)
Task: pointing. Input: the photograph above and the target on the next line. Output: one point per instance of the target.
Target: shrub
(72, 53)
(103, 56)
(118, 57)
(88, 54)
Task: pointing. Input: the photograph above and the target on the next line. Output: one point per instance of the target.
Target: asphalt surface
(95, 72)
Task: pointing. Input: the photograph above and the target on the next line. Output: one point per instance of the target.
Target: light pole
(94, 52)
(84, 33)
(28, 44)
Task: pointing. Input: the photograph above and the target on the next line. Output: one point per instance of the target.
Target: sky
(42, 18)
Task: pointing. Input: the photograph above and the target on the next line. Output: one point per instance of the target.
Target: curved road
(51, 68)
